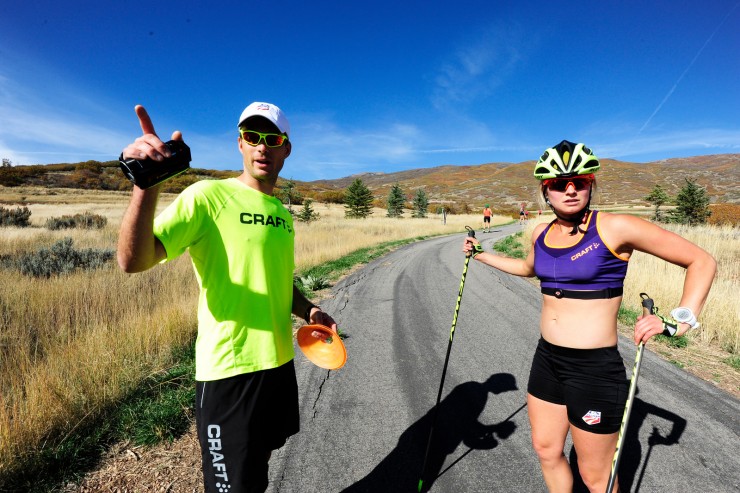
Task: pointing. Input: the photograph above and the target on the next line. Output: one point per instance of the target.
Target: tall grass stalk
(720, 317)
(70, 346)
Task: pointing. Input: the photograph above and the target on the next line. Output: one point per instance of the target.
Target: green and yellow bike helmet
(565, 160)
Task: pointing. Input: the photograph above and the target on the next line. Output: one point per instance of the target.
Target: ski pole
(471, 234)
(647, 309)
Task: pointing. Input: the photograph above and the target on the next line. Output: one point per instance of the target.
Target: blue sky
(372, 86)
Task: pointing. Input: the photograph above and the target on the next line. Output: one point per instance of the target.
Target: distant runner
(487, 213)
(521, 213)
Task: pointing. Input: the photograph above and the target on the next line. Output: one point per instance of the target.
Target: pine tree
(288, 194)
(692, 205)
(396, 201)
(421, 203)
(307, 214)
(657, 197)
(358, 200)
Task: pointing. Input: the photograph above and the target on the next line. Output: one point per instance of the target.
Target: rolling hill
(505, 184)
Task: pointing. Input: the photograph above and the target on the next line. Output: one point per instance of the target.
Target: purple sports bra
(588, 265)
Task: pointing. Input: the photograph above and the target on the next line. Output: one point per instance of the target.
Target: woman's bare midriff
(582, 324)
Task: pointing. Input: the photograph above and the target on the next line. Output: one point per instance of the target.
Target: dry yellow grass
(664, 282)
(334, 236)
(71, 345)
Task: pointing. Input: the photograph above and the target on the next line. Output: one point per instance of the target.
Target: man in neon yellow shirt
(240, 239)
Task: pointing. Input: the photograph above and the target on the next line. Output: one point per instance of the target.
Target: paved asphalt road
(365, 426)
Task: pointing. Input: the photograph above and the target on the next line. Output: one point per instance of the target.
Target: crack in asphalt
(318, 396)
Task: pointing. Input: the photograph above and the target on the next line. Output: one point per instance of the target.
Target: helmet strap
(578, 219)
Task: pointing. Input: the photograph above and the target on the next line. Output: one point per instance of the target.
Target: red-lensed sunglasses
(579, 183)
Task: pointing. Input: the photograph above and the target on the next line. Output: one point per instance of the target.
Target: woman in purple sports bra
(578, 382)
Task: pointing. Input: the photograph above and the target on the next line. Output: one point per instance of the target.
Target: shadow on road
(632, 452)
(457, 422)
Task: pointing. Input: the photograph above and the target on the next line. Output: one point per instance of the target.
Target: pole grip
(471, 234)
(648, 306)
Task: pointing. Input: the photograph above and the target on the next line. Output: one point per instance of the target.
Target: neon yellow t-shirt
(241, 242)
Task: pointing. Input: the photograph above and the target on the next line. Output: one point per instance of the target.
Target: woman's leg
(549, 428)
(595, 454)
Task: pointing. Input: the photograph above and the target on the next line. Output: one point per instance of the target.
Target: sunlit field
(70, 346)
(334, 236)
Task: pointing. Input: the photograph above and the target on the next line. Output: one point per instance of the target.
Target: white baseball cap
(269, 111)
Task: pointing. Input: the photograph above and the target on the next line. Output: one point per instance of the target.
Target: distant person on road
(487, 213)
(240, 240)
(578, 382)
(521, 213)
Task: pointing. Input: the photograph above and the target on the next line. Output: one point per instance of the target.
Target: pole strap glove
(670, 326)
(477, 249)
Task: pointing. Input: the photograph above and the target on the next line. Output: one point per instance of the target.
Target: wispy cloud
(323, 147)
(478, 67)
(691, 64)
(47, 126)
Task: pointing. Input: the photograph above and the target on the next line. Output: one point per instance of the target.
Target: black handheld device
(145, 173)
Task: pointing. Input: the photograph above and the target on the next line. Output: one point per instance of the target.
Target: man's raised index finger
(146, 123)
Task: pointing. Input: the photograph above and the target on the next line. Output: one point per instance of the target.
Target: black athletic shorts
(486, 219)
(591, 383)
(239, 421)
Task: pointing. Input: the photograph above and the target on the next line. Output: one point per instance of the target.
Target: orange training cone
(329, 353)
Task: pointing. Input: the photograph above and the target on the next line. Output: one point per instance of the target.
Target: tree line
(691, 204)
(357, 199)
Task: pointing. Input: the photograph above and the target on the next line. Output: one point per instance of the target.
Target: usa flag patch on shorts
(592, 417)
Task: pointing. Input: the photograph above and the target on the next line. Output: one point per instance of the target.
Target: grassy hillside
(503, 185)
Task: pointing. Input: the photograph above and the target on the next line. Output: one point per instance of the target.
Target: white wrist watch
(685, 316)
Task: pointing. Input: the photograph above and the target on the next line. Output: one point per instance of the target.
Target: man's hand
(320, 317)
(149, 144)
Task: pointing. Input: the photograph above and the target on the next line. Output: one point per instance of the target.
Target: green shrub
(314, 283)
(86, 220)
(18, 217)
(61, 258)
(511, 246)
(676, 342)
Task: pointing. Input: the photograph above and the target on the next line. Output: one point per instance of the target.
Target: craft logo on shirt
(592, 417)
(593, 246)
(265, 220)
